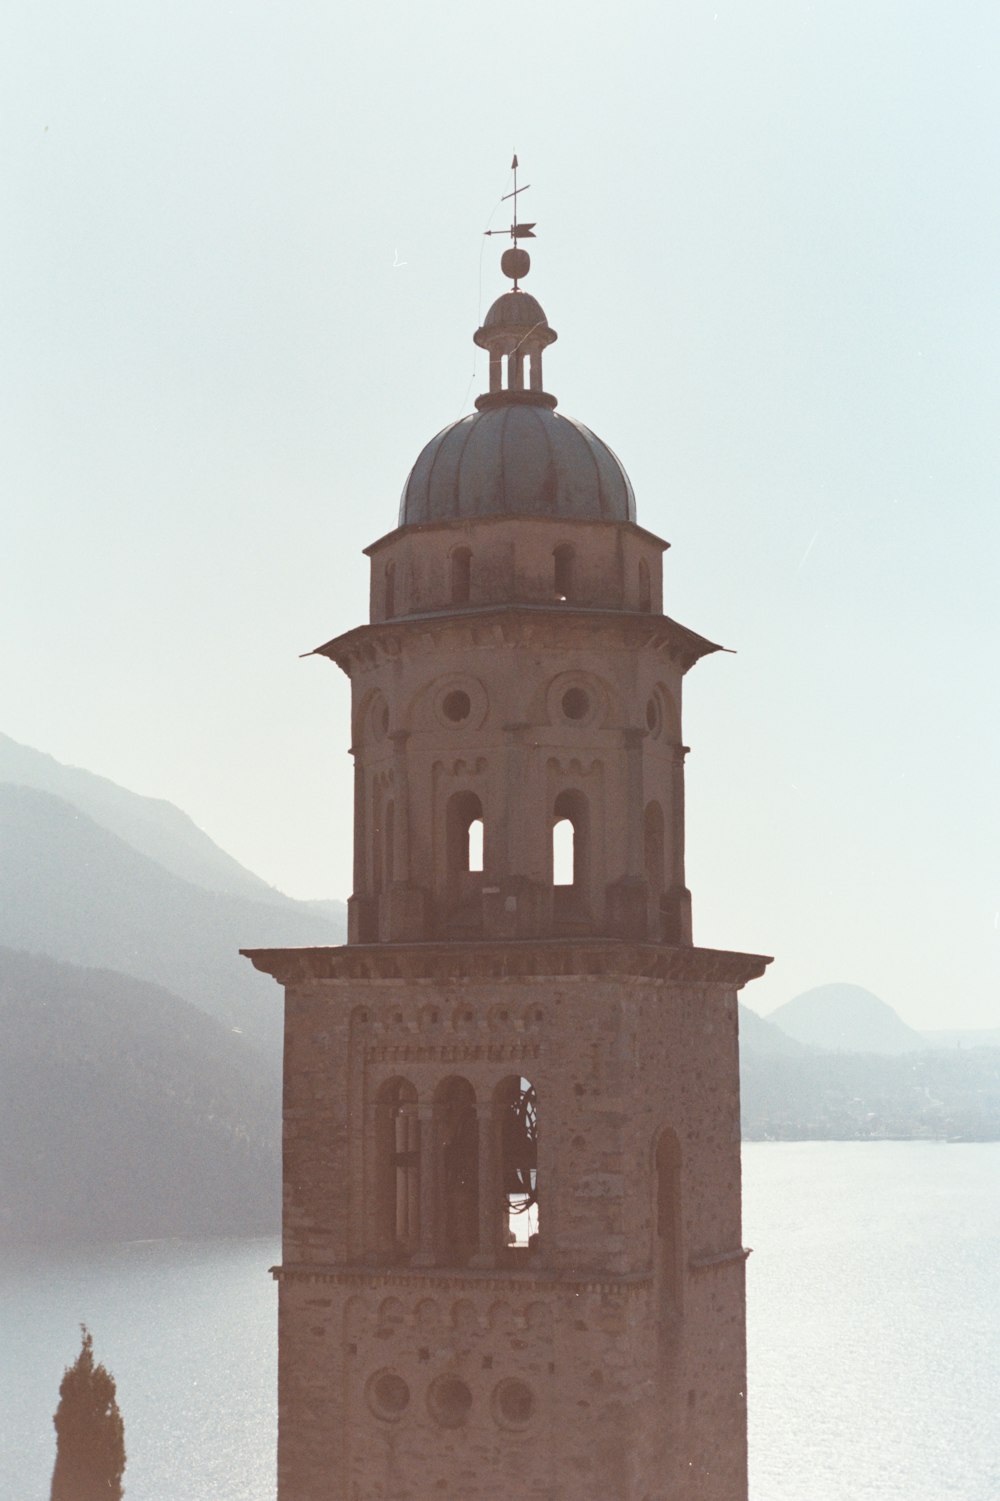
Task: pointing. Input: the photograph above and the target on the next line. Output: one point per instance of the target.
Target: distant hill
(125, 1112)
(760, 1036)
(77, 892)
(846, 1018)
(155, 828)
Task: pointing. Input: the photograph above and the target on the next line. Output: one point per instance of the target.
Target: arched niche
(389, 591)
(563, 568)
(645, 588)
(397, 1171)
(460, 580)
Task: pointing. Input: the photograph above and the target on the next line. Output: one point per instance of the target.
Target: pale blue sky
(768, 238)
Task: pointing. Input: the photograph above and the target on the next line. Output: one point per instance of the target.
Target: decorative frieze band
(468, 1280)
(455, 1052)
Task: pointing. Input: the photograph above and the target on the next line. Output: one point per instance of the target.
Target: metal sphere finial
(515, 263)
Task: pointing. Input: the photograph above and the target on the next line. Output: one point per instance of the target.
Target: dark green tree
(90, 1435)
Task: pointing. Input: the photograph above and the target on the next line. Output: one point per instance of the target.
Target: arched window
(516, 1115)
(465, 842)
(569, 840)
(461, 575)
(397, 1128)
(476, 846)
(456, 1126)
(668, 1226)
(645, 591)
(653, 843)
(562, 572)
(563, 852)
(390, 590)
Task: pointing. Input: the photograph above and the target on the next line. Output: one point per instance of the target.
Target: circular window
(456, 705)
(450, 1401)
(513, 1403)
(653, 715)
(575, 703)
(388, 1395)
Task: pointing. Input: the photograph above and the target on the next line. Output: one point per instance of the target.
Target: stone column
(360, 907)
(489, 1191)
(406, 916)
(360, 828)
(634, 807)
(628, 897)
(677, 914)
(678, 753)
(513, 856)
(425, 1254)
(401, 797)
(512, 907)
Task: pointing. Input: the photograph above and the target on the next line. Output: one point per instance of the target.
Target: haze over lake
(873, 1314)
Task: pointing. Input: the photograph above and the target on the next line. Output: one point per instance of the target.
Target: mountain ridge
(153, 826)
(842, 1017)
(74, 891)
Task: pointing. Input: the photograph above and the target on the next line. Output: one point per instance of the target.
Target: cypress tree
(90, 1435)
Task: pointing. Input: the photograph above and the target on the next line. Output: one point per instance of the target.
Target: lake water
(874, 1327)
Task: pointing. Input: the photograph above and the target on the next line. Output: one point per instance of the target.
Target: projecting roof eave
(463, 523)
(657, 631)
(608, 958)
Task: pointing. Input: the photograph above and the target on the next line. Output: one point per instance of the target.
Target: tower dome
(515, 456)
(517, 460)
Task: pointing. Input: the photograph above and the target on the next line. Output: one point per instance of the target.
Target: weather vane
(515, 262)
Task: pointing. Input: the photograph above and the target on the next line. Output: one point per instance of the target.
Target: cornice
(467, 1279)
(503, 626)
(477, 524)
(491, 1280)
(541, 959)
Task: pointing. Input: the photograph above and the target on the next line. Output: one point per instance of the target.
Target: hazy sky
(241, 261)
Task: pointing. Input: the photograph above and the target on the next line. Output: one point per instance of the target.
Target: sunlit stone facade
(512, 1264)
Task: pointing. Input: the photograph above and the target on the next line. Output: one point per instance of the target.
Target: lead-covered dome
(515, 455)
(517, 459)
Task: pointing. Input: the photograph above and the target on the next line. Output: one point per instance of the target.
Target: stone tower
(512, 1265)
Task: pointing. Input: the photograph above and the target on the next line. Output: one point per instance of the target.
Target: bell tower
(512, 1266)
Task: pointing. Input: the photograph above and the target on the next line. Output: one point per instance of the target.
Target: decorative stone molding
(447, 962)
(447, 1280)
(502, 626)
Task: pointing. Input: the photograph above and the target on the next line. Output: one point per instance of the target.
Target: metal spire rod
(516, 231)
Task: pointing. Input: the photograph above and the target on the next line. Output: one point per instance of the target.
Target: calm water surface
(874, 1324)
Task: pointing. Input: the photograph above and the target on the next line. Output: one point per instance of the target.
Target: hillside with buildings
(838, 1064)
